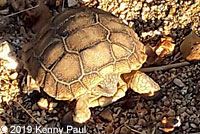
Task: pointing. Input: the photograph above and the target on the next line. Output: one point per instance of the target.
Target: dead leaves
(195, 53)
(190, 47)
(170, 123)
(163, 47)
(46, 105)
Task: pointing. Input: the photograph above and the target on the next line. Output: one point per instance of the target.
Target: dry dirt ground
(134, 114)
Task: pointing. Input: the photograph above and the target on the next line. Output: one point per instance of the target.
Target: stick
(18, 12)
(165, 67)
(28, 113)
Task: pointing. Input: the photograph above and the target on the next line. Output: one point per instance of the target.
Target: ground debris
(190, 48)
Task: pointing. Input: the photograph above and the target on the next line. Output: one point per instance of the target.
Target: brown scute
(66, 15)
(122, 66)
(64, 92)
(123, 39)
(138, 46)
(52, 53)
(33, 66)
(68, 68)
(132, 33)
(78, 89)
(141, 56)
(109, 18)
(113, 26)
(43, 42)
(134, 63)
(41, 76)
(86, 37)
(107, 70)
(96, 57)
(119, 52)
(50, 85)
(91, 80)
(78, 22)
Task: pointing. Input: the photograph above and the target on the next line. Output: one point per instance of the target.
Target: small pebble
(106, 115)
(13, 76)
(178, 82)
(125, 130)
(193, 125)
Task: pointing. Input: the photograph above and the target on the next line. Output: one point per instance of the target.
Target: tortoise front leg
(141, 83)
(82, 112)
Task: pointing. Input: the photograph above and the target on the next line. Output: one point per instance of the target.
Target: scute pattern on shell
(74, 52)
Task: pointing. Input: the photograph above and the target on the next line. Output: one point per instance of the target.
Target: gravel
(133, 113)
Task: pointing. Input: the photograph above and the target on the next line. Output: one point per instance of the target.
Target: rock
(3, 3)
(125, 130)
(72, 3)
(122, 120)
(109, 129)
(186, 126)
(166, 102)
(178, 101)
(193, 125)
(106, 115)
(178, 82)
(35, 107)
(133, 121)
(171, 112)
(5, 51)
(142, 122)
(183, 109)
(13, 76)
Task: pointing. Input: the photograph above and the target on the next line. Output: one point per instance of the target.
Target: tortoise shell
(78, 48)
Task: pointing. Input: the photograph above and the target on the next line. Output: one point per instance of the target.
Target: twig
(166, 67)
(28, 113)
(133, 130)
(18, 12)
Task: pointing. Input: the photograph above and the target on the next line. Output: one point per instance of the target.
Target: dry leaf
(187, 44)
(195, 53)
(43, 103)
(164, 47)
(169, 124)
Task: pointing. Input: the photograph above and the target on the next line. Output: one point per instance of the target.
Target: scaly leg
(82, 111)
(141, 83)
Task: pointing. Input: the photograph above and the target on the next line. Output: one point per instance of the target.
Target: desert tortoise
(88, 55)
